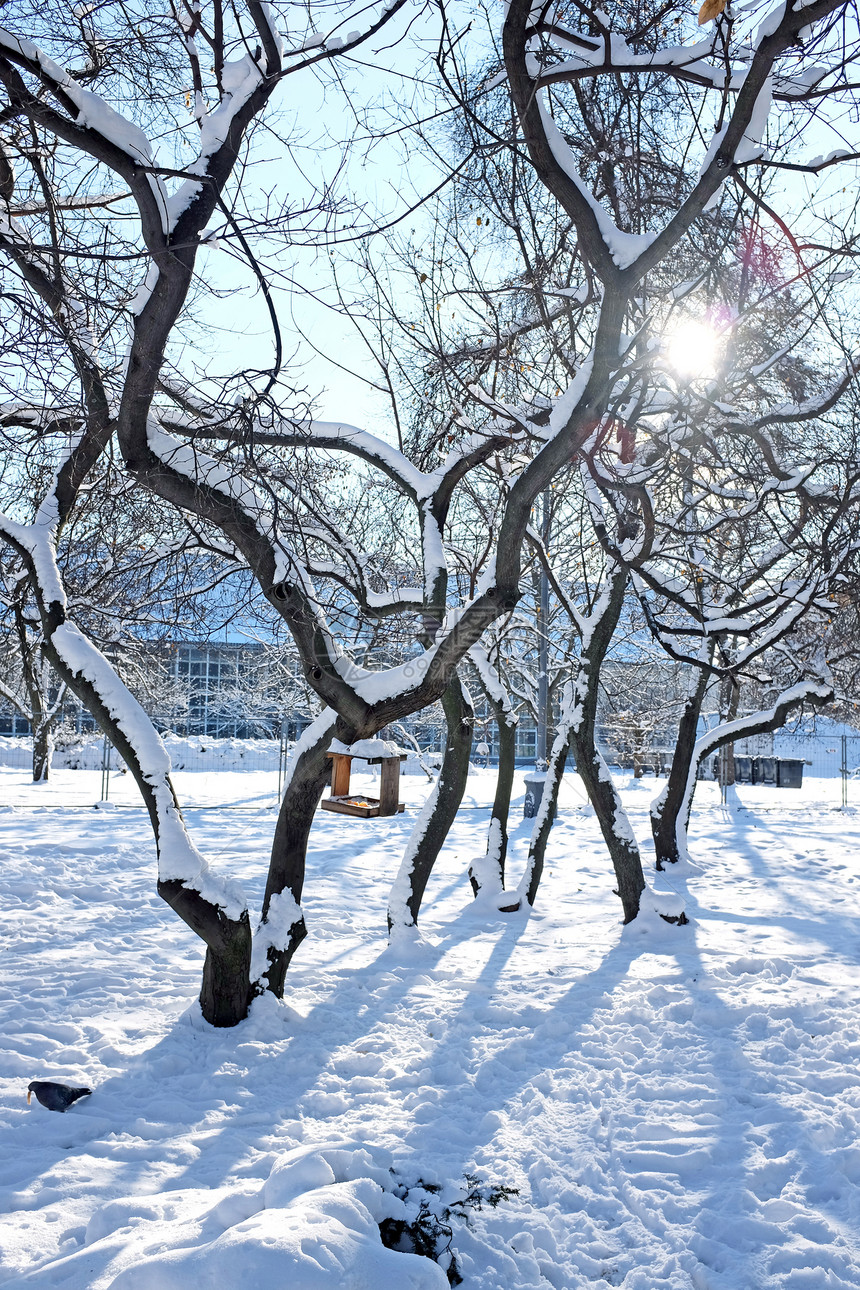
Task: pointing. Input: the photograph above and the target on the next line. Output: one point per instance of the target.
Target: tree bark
(545, 817)
(440, 810)
(43, 747)
(33, 671)
(489, 869)
(612, 818)
(310, 774)
(729, 701)
(667, 807)
(755, 723)
(226, 990)
(592, 768)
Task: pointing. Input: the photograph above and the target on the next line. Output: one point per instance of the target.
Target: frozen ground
(677, 1107)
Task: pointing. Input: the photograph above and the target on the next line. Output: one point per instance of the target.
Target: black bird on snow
(56, 1097)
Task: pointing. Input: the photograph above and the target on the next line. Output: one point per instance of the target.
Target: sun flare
(692, 349)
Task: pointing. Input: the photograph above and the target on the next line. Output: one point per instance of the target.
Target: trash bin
(764, 770)
(789, 772)
(534, 783)
(743, 769)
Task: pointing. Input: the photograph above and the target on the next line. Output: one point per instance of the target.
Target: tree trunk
(545, 817)
(226, 990)
(34, 673)
(667, 807)
(612, 818)
(729, 701)
(282, 927)
(592, 768)
(489, 870)
(43, 747)
(440, 810)
(754, 723)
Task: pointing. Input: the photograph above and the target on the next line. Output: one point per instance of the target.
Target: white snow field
(678, 1108)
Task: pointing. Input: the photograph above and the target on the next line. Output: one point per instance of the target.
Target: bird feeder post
(341, 767)
(389, 786)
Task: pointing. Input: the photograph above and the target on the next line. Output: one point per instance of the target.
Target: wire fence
(803, 769)
(206, 772)
(806, 768)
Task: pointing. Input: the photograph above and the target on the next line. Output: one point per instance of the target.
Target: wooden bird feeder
(359, 804)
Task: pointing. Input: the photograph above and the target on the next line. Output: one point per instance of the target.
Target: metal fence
(88, 771)
(803, 769)
(826, 758)
(207, 773)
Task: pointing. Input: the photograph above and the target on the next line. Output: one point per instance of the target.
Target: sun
(692, 349)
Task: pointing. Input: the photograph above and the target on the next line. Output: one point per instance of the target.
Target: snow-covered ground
(678, 1108)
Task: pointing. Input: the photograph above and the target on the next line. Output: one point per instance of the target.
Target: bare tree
(27, 682)
(93, 120)
(248, 462)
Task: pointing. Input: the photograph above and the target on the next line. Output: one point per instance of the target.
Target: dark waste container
(764, 770)
(743, 769)
(534, 783)
(789, 772)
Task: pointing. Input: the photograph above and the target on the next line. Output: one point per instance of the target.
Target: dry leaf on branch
(711, 9)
